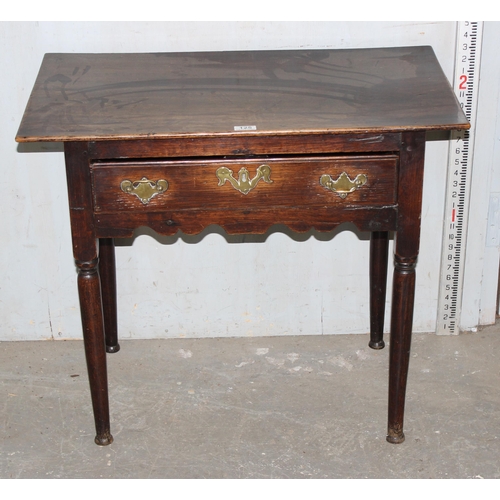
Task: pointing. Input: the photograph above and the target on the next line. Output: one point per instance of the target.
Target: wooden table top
(87, 97)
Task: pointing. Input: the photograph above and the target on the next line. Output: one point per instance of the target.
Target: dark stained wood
(107, 272)
(238, 221)
(403, 291)
(295, 182)
(379, 253)
(153, 96)
(89, 286)
(93, 337)
(245, 145)
(172, 116)
(80, 201)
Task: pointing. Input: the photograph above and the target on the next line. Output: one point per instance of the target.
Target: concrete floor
(280, 407)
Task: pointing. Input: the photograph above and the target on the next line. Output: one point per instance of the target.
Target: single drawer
(153, 186)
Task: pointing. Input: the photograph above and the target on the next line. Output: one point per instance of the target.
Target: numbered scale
(466, 82)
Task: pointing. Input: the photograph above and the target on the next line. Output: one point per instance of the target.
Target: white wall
(479, 301)
(170, 287)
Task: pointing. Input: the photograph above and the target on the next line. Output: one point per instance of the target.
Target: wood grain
(86, 97)
(295, 182)
(173, 117)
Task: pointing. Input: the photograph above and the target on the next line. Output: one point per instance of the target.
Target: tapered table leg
(107, 272)
(403, 294)
(89, 290)
(379, 250)
(89, 287)
(399, 353)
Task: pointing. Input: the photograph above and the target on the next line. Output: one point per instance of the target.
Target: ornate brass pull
(244, 184)
(144, 189)
(343, 185)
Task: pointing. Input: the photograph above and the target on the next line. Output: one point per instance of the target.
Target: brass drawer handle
(144, 189)
(244, 184)
(343, 185)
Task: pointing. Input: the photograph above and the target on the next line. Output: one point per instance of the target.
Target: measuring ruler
(466, 83)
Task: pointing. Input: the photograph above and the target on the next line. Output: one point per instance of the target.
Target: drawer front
(153, 186)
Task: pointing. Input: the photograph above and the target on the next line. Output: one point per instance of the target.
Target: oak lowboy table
(245, 140)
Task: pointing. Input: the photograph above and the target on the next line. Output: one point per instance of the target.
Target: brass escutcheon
(343, 185)
(144, 189)
(244, 184)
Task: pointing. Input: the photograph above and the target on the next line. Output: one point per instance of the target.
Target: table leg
(89, 290)
(403, 294)
(379, 250)
(89, 287)
(107, 272)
